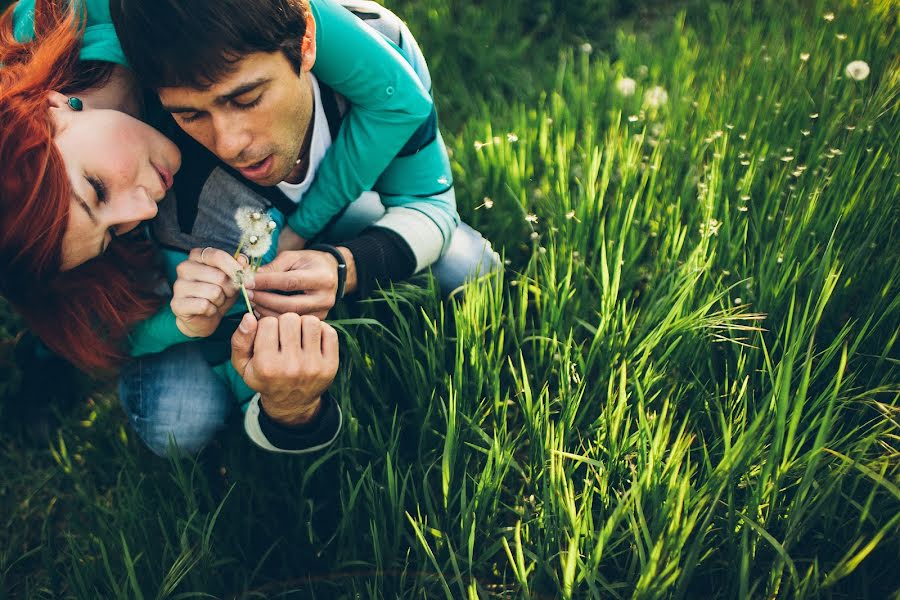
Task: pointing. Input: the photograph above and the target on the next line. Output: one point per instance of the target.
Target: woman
(81, 171)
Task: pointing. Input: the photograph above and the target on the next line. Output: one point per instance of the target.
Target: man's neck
(298, 173)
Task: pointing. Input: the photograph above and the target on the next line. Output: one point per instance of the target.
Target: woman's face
(119, 168)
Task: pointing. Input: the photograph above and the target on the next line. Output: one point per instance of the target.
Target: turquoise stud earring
(75, 103)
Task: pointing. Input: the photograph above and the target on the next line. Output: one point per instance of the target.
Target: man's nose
(230, 138)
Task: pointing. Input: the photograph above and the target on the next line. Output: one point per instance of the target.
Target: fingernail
(245, 323)
(249, 294)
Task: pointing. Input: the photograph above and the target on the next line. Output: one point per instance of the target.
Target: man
(264, 115)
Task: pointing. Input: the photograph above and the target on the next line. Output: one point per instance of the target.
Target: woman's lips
(258, 170)
(165, 176)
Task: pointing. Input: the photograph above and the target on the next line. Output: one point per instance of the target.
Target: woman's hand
(204, 290)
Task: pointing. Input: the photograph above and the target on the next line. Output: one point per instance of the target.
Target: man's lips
(259, 169)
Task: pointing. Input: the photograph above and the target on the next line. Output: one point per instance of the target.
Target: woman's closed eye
(99, 189)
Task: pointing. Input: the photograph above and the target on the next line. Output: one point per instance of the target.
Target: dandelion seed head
(626, 86)
(857, 70)
(738, 301)
(586, 48)
(535, 235)
(250, 220)
(257, 246)
(656, 97)
(242, 277)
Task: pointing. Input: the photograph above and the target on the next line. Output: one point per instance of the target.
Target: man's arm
(290, 361)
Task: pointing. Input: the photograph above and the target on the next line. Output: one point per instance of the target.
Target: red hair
(84, 314)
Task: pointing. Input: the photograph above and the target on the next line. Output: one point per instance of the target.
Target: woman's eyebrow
(85, 206)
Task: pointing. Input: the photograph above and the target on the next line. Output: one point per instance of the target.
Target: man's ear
(308, 44)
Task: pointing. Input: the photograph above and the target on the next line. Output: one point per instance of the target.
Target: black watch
(341, 268)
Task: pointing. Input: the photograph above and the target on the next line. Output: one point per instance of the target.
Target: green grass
(685, 384)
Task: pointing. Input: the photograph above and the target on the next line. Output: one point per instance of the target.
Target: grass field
(685, 384)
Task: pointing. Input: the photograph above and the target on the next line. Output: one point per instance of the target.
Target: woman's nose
(140, 207)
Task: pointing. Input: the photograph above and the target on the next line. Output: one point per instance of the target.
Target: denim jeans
(175, 395)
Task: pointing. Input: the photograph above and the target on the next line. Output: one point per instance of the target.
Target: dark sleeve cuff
(309, 437)
(381, 256)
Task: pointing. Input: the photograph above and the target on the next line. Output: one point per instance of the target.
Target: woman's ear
(308, 44)
(56, 99)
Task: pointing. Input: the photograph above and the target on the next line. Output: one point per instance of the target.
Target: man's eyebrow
(224, 98)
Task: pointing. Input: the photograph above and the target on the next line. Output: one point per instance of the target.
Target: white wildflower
(804, 56)
(656, 97)
(535, 235)
(857, 70)
(738, 301)
(486, 203)
(829, 16)
(841, 36)
(531, 218)
(242, 277)
(586, 48)
(710, 228)
(512, 138)
(256, 246)
(626, 86)
(251, 221)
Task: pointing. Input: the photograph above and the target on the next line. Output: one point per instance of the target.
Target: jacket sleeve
(388, 103)
(312, 437)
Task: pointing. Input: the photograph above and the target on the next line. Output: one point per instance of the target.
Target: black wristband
(341, 269)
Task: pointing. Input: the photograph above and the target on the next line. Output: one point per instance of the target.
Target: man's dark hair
(193, 43)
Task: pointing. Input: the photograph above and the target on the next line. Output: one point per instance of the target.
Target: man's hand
(309, 274)
(204, 291)
(288, 240)
(290, 360)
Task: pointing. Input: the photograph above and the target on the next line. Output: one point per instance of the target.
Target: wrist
(293, 414)
(350, 283)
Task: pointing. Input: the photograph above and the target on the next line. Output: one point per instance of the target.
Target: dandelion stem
(246, 299)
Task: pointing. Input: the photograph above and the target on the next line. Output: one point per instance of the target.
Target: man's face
(255, 118)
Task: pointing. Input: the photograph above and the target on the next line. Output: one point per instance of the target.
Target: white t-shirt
(318, 145)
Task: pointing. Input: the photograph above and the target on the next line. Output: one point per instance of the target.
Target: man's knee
(468, 257)
(174, 401)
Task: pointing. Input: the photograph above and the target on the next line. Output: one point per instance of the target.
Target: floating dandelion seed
(271, 225)
(486, 203)
(804, 56)
(787, 158)
(745, 197)
(656, 97)
(743, 136)
(745, 163)
(531, 218)
(850, 127)
(626, 86)
(814, 115)
(805, 132)
(512, 138)
(479, 145)
(729, 126)
(841, 36)
(828, 16)
(586, 48)
(858, 70)
(742, 209)
(571, 215)
(780, 258)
